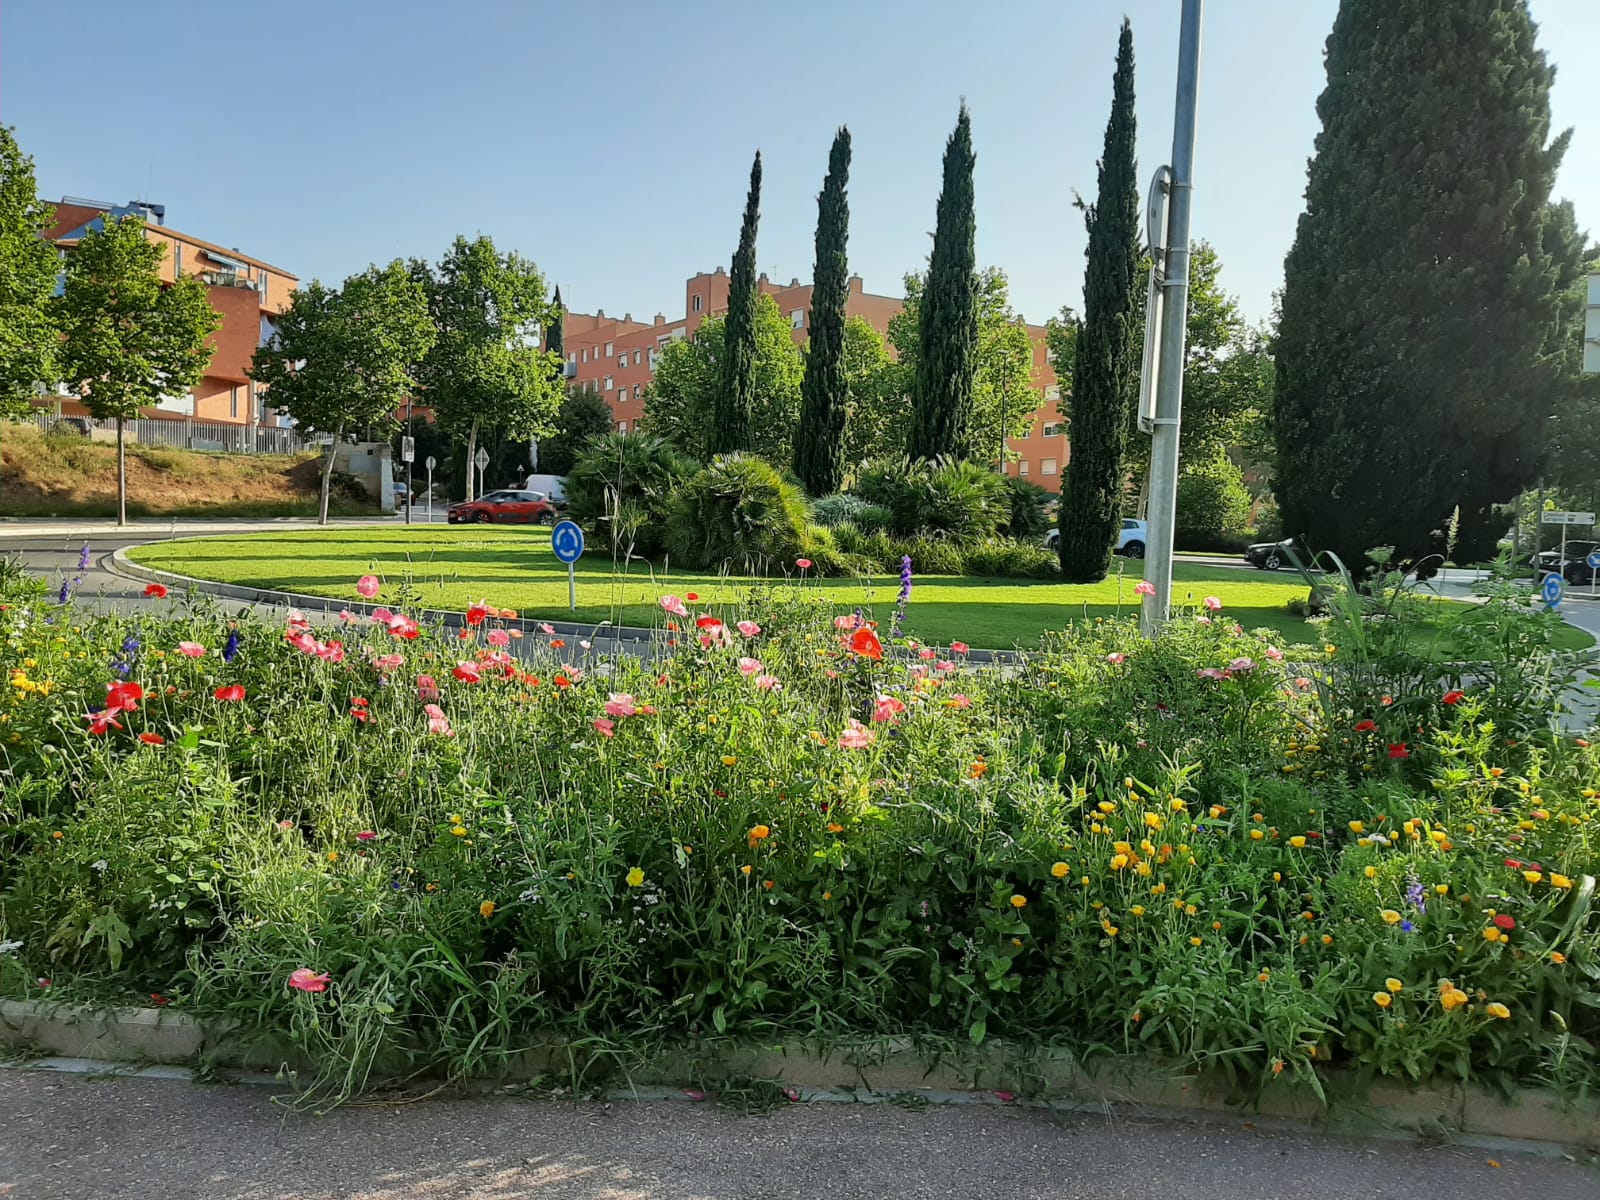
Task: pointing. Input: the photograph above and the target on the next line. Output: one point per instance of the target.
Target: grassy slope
(450, 568)
(72, 476)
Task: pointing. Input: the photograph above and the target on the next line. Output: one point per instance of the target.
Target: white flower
(10, 947)
(99, 866)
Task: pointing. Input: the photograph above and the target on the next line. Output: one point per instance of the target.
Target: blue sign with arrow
(566, 541)
(1552, 589)
(1593, 560)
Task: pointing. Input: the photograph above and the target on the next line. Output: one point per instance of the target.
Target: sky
(611, 143)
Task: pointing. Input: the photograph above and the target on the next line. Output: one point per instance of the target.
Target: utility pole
(1174, 313)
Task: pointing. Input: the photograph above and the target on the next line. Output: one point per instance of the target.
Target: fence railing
(186, 434)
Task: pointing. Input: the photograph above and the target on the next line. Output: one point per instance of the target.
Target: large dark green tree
(1105, 354)
(941, 390)
(28, 270)
(824, 392)
(554, 336)
(1421, 342)
(731, 428)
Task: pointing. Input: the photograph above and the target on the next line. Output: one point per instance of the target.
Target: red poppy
(152, 739)
(561, 681)
(1366, 726)
(467, 672)
(1398, 750)
(123, 697)
(1505, 921)
(1454, 696)
(361, 715)
(159, 1000)
(865, 643)
(1514, 863)
(478, 612)
(157, 591)
(706, 620)
(228, 692)
(557, 644)
(691, 595)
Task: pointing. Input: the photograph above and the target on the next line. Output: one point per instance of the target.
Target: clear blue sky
(611, 143)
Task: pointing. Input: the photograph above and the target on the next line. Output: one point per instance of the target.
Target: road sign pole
(572, 587)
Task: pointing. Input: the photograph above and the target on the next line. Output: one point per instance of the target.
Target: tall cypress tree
(1420, 343)
(730, 430)
(819, 437)
(554, 336)
(941, 391)
(1104, 371)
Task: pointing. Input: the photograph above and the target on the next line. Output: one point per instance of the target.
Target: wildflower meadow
(380, 846)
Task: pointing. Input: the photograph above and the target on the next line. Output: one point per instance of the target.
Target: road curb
(886, 1067)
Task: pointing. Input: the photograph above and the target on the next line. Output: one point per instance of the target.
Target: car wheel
(482, 518)
(1134, 549)
(1272, 563)
(546, 519)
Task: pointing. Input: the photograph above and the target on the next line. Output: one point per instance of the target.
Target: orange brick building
(245, 291)
(618, 356)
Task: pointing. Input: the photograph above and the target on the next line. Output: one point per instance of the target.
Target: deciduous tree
(583, 418)
(28, 271)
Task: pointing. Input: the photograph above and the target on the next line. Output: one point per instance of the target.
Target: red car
(505, 507)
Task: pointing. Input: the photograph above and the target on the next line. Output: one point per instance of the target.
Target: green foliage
(28, 269)
(834, 510)
(555, 327)
(620, 488)
(876, 402)
(1012, 558)
(1422, 347)
(1030, 509)
(344, 359)
(1103, 384)
(737, 512)
(951, 499)
(824, 392)
(947, 318)
(680, 403)
(484, 372)
(1213, 503)
(733, 421)
(584, 416)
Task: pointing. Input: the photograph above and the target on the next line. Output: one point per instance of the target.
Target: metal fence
(186, 434)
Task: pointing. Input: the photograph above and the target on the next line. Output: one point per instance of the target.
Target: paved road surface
(67, 1138)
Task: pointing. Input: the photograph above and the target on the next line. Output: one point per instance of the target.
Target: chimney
(599, 314)
(627, 318)
(763, 278)
(855, 285)
(660, 320)
(794, 283)
(719, 271)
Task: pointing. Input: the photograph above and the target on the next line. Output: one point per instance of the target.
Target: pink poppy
(959, 701)
(499, 658)
(346, 615)
(427, 688)
(229, 692)
(330, 651)
(546, 628)
(497, 637)
(620, 704)
(307, 980)
(1242, 664)
(749, 628)
(848, 621)
(367, 586)
(917, 670)
(673, 605)
(477, 612)
(389, 663)
(959, 648)
(887, 708)
(1116, 658)
(437, 721)
(749, 666)
(716, 635)
(301, 641)
(768, 683)
(404, 627)
(1213, 673)
(191, 649)
(1274, 654)
(1212, 603)
(381, 616)
(468, 672)
(945, 665)
(608, 728)
(1302, 682)
(927, 654)
(856, 736)
(366, 835)
(575, 674)
(1144, 588)
(803, 563)
(297, 620)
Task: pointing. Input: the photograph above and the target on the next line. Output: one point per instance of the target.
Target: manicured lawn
(514, 568)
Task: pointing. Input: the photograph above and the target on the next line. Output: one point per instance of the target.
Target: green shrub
(619, 490)
(835, 510)
(1030, 509)
(1213, 505)
(1004, 557)
(737, 512)
(821, 549)
(960, 501)
(873, 549)
(929, 556)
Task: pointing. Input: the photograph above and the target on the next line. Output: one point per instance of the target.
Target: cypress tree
(1104, 370)
(554, 338)
(1420, 342)
(730, 430)
(819, 437)
(941, 390)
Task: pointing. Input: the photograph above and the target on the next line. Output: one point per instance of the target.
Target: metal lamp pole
(410, 495)
(1174, 311)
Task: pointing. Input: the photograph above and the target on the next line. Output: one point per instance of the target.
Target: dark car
(505, 507)
(1573, 567)
(1269, 556)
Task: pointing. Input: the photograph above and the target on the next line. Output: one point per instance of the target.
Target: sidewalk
(72, 1137)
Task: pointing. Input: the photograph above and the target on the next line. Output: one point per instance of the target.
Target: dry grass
(67, 475)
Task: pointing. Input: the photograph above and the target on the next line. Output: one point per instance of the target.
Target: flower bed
(382, 845)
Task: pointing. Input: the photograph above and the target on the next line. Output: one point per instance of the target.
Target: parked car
(1130, 542)
(507, 506)
(1269, 556)
(1574, 568)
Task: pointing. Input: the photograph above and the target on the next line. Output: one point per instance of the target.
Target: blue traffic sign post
(566, 543)
(1552, 589)
(1593, 563)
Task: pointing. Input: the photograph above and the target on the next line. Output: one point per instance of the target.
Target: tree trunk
(327, 475)
(472, 452)
(122, 475)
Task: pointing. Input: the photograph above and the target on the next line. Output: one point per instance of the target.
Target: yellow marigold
(1111, 930)
(1533, 876)
(1390, 917)
(745, 870)
(1277, 877)
(835, 827)
(1158, 889)
(728, 760)
(1216, 811)
(1256, 835)
(1557, 957)
(1370, 872)
(1453, 999)
(1060, 870)
(1137, 910)
(1491, 934)
(759, 832)
(1195, 941)
(1382, 999)
(1358, 827)
(1298, 841)
(1153, 820)
(333, 855)
(1177, 805)
(1442, 889)
(1497, 1009)
(1263, 976)
(1106, 806)
(1122, 847)
(1327, 939)
(459, 830)
(1019, 901)
(1143, 869)
(1394, 985)
(1118, 861)
(1559, 881)
(1190, 910)
(635, 877)
(486, 909)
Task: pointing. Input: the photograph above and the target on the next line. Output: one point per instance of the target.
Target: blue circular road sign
(1552, 589)
(566, 541)
(1593, 560)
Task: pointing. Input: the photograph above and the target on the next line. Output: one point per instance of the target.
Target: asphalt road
(67, 1138)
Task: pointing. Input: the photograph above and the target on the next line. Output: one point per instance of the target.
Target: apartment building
(247, 292)
(618, 356)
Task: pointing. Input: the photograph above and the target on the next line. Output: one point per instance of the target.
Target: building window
(233, 402)
(622, 427)
(609, 349)
(654, 358)
(611, 383)
(1053, 392)
(261, 284)
(636, 358)
(1047, 466)
(622, 359)
(1056, 429)
(586, 354)
(177, 260)
(699, 303)
(798, 318)
(681, 332)
(572, 356)
(1022, 467)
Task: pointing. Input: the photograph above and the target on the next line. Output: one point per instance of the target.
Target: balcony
(226, 279)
